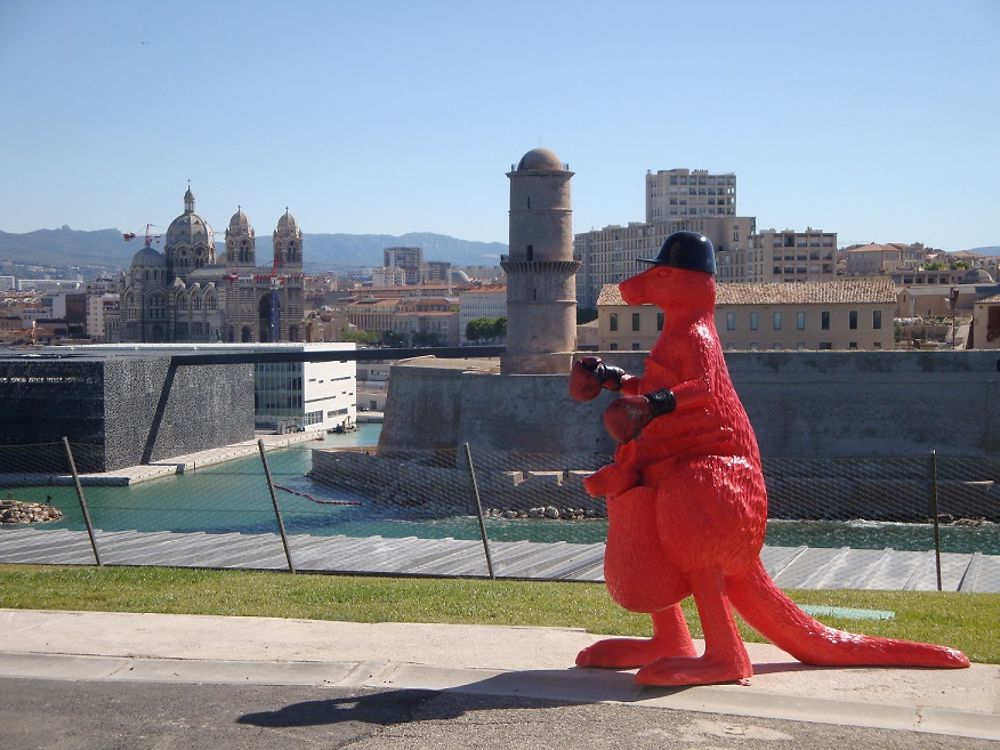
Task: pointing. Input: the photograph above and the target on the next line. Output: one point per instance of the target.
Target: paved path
(504, 667)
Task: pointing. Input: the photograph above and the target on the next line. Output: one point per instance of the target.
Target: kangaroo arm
(692, 394)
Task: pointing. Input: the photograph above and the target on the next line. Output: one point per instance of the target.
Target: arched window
(212, 302)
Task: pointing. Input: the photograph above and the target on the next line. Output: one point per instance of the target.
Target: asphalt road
(80, 715)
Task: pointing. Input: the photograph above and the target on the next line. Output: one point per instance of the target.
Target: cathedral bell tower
(241, 245)
(541, 272)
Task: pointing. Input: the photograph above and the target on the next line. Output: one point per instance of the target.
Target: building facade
(673, 193)
(184, 295)
(409, 259)
(482, 302)
(986, 324)
(787, 255)
(612, 254)
(844, 314)
(288, 396)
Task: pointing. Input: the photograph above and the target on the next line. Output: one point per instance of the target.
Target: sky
(875, 119)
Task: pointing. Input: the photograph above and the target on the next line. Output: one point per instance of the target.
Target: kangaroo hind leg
(725, 658)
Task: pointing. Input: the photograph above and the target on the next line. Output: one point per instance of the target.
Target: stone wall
(801, 404)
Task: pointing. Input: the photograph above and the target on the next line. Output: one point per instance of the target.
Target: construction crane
(148, 236)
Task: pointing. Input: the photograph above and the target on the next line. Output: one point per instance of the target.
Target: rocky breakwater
(20, 511)
(440, 484)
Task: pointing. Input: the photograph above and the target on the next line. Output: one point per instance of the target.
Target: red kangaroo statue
(687, 506)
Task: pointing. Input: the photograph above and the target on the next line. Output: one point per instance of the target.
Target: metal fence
(918, 522)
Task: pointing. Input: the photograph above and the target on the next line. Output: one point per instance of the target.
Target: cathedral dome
(189, 228)
(239, 223)
(541, 159)
(149, 258)
(976, 276)
(287, 224)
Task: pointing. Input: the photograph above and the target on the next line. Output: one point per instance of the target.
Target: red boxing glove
(625, 417)
(590, 375)
(584, 383)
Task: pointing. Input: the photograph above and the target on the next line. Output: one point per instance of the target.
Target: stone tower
(241, 244)
(541, 272)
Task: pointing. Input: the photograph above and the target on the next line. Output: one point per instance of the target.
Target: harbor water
(233, 497)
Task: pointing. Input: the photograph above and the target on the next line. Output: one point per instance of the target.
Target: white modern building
(288, 396)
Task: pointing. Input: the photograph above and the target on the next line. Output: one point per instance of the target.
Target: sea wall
(801, 404)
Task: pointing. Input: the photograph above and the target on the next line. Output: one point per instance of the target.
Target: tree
(498, 329)
(361, 336)
(488, 329)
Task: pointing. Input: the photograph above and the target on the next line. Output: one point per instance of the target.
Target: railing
(473, 512)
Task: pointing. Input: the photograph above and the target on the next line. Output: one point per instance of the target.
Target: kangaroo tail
(770, 612)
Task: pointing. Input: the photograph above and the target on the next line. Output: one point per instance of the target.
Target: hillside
(66, 252)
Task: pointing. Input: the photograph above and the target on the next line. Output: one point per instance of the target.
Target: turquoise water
(233, 497)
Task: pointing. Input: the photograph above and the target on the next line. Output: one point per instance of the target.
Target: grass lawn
(970, 622)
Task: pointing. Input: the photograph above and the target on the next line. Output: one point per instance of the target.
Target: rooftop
(872, 291)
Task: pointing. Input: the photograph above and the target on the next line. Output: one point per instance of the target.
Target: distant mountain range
(66, 252)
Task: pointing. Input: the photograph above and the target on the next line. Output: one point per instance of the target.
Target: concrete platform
(165, 468)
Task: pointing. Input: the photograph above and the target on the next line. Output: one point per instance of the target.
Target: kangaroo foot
(687, 671)
(628, 653)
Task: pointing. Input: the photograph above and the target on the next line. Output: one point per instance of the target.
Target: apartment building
(673, 193)
(787, 255)
(612, 254)
(407, 258)
(841, 314)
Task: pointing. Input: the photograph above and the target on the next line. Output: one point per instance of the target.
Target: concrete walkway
(472, 659)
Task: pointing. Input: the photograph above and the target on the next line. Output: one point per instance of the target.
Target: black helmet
(688, 250)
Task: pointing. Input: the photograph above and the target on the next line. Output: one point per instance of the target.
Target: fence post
(83, 500)
(277, 510)
(934, 515)
(479, 512)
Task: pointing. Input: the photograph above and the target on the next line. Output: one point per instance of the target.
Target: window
(876, 345)
(852, 345)
(800, 321)
(613, 321)
(730, 321)
(530, 252)
(613, 346)
(659, 321)
(825, 345)
(635, 346)
(853, 320)
(635, 321)
(777, 321)
(825, 320)
(876, 319)
(753, 320)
